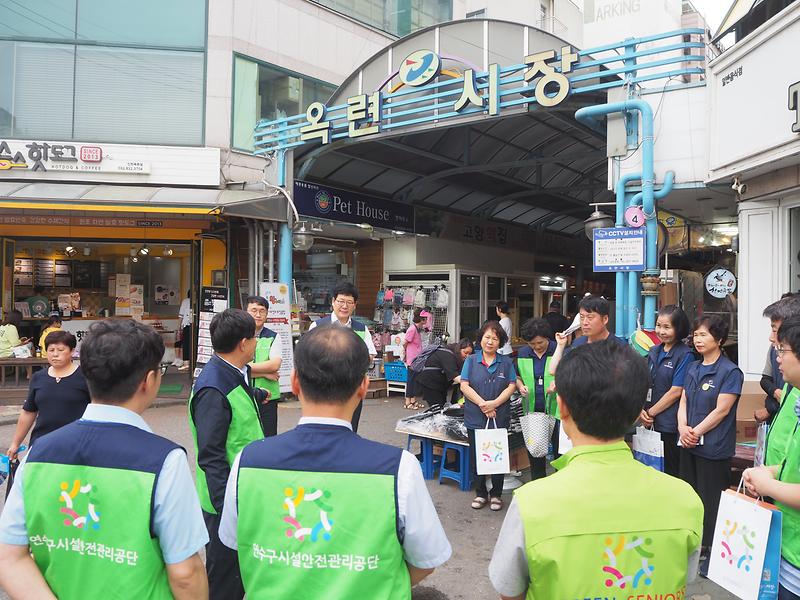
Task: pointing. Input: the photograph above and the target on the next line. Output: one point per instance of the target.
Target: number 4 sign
(634, 216)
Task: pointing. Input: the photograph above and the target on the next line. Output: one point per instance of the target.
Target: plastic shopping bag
(761, 445)
(746, 553)
(648, 448)
(491, 449)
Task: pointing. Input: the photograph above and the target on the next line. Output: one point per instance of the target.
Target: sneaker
(177, 362)
(184, 367)
(704, 561)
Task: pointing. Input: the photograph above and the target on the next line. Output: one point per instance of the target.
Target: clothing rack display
(395, 306)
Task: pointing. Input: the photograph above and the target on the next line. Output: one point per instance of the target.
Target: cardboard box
(751, 400)
(746, 430)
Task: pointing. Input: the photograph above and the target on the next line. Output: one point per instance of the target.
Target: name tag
(649, 396)
(540, 381)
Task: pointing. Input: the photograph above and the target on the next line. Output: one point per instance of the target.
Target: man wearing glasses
(345, 300)
(106, 481)
(266, 364)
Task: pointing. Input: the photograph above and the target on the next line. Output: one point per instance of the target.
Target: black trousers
(784, 594)
(222, 565)
(433, 396)
(356, 416)
(708, 478)
(480, 480)
(269, 417)
(672, 454)
(186, 343)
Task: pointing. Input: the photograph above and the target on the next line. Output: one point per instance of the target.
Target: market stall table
(16, 364)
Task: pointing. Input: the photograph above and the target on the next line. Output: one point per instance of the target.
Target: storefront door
(7, 283)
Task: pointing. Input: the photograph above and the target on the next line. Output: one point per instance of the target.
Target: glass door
(494, 294)
(470, 306)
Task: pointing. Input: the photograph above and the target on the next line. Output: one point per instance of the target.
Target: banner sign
(279, 319)
(323, 202)
(618, 249)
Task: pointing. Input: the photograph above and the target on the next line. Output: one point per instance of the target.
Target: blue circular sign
(419, 67)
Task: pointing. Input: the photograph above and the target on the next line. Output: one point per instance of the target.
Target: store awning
(256, 204)
(737, 11)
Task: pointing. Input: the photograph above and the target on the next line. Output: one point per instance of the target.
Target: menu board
(44, 272)
(213, 300)
(86, 274)
(23, 271)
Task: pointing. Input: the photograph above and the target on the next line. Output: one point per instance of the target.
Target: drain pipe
(285, 244)
(620, 295)
(587, 116)
(271, 253)
(651, 219)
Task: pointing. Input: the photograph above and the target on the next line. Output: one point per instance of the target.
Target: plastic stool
(462, 476)
(429, 462)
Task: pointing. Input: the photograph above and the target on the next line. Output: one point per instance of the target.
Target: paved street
(472, 533)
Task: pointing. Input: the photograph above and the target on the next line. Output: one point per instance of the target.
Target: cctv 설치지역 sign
(618, 249)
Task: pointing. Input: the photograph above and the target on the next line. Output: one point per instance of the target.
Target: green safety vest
(262, 355)
(586, 534)
(779, 434)
(790, 473)
(118, 554)
(361, 558)
(245, 427)
(526, 372)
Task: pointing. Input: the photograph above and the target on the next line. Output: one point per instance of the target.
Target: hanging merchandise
(419, 297)
(443, 298)
(377, 341)
(379, 298)
(388, 295)
(408, 297)
(378, 316)
(398, 297)
(397, 320)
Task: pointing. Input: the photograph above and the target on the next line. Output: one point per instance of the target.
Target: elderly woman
(488, 380)
(57, 395)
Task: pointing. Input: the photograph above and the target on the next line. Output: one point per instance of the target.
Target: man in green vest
(782, 481)
(266, 364)
(319, 512)
(604, 525)
(103, 507)
(224, 418)
(780, 430)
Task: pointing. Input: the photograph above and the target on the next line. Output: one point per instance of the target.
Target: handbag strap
(493, 421)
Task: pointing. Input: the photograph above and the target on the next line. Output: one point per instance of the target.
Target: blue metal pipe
(621, 280)
(285, 245)
(587, 115)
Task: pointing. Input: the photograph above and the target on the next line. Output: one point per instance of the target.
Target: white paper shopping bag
(648, 448)
(491, 450)
(741, 537)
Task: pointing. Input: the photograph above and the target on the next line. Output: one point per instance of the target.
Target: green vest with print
(263, 347)
(780, 430)
(587, 536)
(245, 425)
(319, 535)
(89, 527)
(790, 528)
(526, 371)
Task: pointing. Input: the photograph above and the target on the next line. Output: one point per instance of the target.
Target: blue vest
(720, 442)
(777, 376)
(662, 373)
(324, 448)
(489, 386)
(104, 445)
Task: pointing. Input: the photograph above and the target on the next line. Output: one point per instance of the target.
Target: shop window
(398, 17)
(43, 19)
(470, 313)
(264, 92)
(794, 252)
(36, 90)
(134, 96)
(176, 23)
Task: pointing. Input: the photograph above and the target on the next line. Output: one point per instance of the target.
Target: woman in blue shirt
(668, 362)
(487, 381)
(707, 422)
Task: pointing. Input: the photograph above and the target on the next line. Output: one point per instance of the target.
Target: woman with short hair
(488, 380)
(57, 395)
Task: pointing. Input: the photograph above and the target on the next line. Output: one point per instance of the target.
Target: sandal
(496, 504)
(479, 503)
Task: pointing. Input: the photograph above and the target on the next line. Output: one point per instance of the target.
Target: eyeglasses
(258, 312)
(163, 369)
(779, 351)
(345, 302)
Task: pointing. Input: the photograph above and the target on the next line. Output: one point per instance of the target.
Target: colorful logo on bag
(737, 545)
(323, 201)
(74, 499)
(308, 501)
(492, 452)
(643, 576)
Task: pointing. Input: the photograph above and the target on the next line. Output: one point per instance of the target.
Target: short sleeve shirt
(488, 382)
